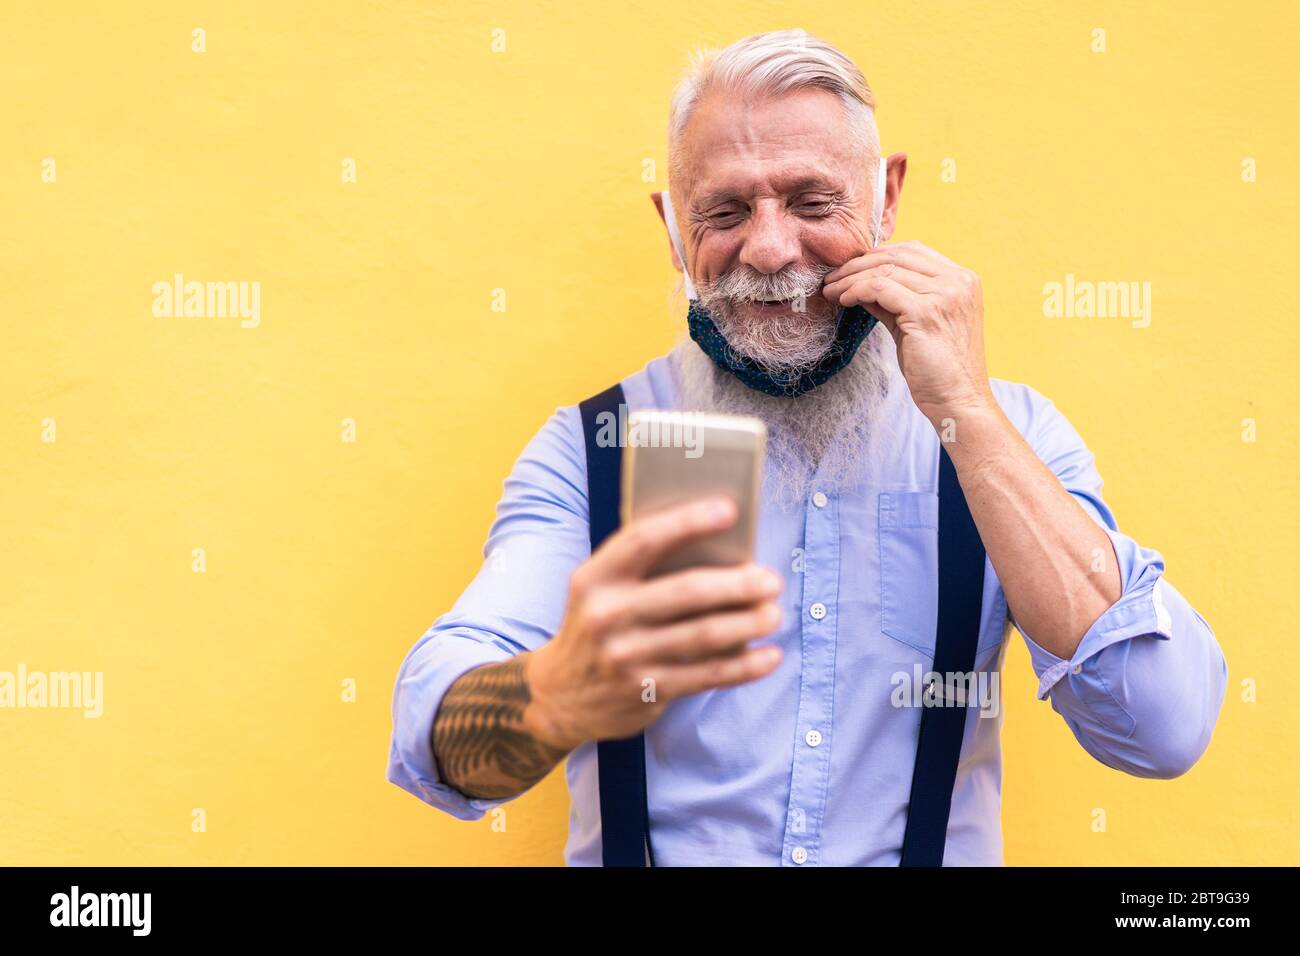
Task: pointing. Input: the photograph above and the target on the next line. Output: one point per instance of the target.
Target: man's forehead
(788, 143)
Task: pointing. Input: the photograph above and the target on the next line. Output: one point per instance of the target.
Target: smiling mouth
(771, 305)
(780, 305)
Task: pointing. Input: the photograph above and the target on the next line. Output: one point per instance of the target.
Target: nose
(771, 238)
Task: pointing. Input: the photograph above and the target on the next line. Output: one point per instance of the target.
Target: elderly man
(914, 510)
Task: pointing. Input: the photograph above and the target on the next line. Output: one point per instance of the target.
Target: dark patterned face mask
(854, 324)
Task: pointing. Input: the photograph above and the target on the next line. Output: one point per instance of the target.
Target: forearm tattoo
(478, 737)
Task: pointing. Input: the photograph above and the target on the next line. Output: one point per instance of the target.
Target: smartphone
(670, 458)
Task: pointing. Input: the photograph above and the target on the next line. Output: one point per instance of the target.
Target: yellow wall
(522, 170)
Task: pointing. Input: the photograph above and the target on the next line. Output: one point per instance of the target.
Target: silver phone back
(674, 457)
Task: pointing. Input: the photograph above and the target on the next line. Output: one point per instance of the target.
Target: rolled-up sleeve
(1143, 690)
(515, 603)
(431, 667)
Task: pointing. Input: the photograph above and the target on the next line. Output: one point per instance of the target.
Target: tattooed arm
(501, 727)
(512, 608)
(482, 743)
(551, 647)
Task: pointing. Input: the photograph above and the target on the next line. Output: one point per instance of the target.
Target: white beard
(820, 440)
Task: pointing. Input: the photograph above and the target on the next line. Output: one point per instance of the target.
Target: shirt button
(813, 738)
(799, 855)
(1077, 669)
(820, 499)
(818, 611)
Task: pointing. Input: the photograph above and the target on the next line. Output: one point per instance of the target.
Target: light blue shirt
(812, 764)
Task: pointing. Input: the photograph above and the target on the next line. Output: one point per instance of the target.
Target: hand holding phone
(672, 602)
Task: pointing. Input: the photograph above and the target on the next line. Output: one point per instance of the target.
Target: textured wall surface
(129, 440)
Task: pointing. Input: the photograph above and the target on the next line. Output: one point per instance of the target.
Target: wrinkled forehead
(741, 146)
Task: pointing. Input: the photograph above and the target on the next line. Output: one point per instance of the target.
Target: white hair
(773, 64)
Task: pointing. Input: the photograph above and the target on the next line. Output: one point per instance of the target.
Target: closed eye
(820, 207)
(726, 220)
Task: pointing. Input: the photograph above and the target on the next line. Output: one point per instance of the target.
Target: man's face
(776, 195)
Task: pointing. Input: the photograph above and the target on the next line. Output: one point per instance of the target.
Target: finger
(885, 292)
(938, 261)
(637, 546)
(694, 591)
(685, 679)
(886, 318)
(916, 281)
(697, 639)
(915, 257)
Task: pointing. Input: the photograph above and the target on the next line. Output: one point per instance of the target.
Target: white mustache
(747, 284)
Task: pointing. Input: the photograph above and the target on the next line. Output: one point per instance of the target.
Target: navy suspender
(961, 592)
(624, 813)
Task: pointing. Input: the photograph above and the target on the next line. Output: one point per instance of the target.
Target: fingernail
(718, 509)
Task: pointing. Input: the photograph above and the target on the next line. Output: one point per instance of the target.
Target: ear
(658, 200)
(895, 172)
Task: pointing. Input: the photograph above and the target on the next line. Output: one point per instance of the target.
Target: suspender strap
(961, 591)
(624, 809)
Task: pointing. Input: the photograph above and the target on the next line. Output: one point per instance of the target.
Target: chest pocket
(909, 572)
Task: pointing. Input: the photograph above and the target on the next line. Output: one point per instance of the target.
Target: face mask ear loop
(675, 236)
(878, 211)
